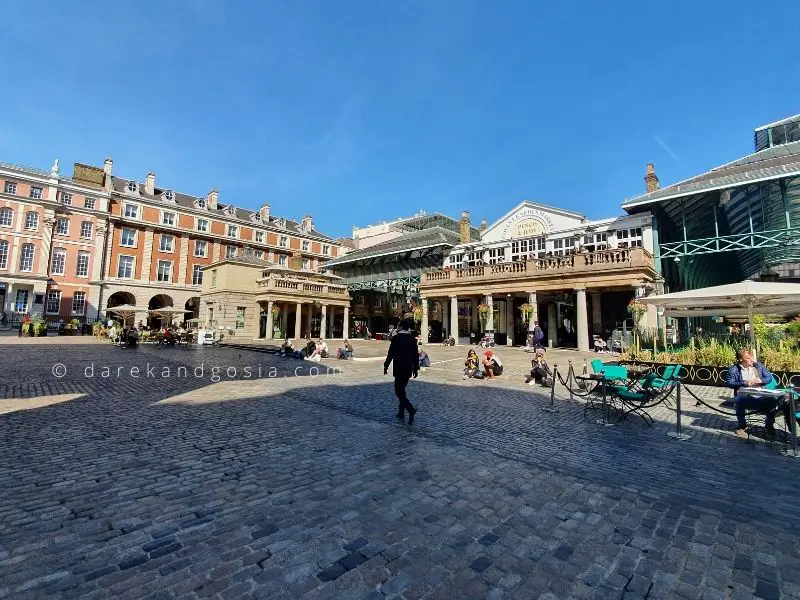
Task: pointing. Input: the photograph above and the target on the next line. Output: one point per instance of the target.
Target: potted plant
(40, 327)
(418, 314)
(27, 326)
(483, 313)
(99, 329)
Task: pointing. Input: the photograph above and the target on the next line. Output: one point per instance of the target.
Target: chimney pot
(150, 184)
(264, 212)
(211, 200)
(307, 223)
(107, 166)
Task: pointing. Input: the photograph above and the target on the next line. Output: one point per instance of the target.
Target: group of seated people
(315, 351)
(490, 367)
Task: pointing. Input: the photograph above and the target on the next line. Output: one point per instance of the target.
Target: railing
(298, 285)
(605, 260)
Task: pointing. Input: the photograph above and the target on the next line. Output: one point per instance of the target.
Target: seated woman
(320, 351)
(346, 352)
(471, 364)
(530, 343)
(540, 370)
(424, 361)
(287, 348)
(492, 365)
(599, 344)
(309, 348)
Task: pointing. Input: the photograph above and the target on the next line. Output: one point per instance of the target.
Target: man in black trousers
(403, 353)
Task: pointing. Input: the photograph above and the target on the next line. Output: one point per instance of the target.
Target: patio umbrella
(746, 298)
(125, 311)
(168, 312)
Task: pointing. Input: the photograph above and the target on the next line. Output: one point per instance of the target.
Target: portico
(575, 284)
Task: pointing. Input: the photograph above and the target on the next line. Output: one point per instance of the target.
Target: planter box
(712, 376)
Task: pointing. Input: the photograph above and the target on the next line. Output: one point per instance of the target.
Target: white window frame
(169, 271)
(82, 296)
(82, 254)
(230, 251)
(26, 303)
(35, 215)
(204, 246)
(22, 257)
(10, 188)
(326, 249)
(259, 237)
(7, 210)
(232, 231)
(283, 241)
(630, 237)
(91, 230)
(122, 237)
(138, 210)
(66, 198)
(241, 317)
(36, 192)
(195, 270)
(47, 306)
(89, 203)
(4, 246)
(307, 264)
(305, 245)
(173, 214)
(497, 255)
(207, 223)
(58, 253)
(161, 243)
(59, 221)
(282, 260)
(133, 266)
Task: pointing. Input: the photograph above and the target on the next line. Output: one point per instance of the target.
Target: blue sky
(363, 111)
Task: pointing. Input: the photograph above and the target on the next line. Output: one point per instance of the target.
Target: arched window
(6, 216)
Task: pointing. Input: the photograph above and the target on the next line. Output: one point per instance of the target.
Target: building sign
(528, 222)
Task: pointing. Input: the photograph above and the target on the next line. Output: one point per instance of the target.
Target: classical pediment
(529, 219)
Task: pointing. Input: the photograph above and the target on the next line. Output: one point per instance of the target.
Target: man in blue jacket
(748, 373)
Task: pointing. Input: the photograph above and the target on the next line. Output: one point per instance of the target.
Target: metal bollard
(570, 378)
(793, 425)
(678, 433)
(551, 408)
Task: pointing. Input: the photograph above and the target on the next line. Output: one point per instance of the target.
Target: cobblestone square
(161, 482)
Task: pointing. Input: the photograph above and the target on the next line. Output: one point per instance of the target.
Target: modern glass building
(740, 220)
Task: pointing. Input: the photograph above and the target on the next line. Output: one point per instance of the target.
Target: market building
(251, 298)
(384, 268)
(52, 234)
(576, 275)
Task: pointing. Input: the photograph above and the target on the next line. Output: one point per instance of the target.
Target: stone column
(309, 319)
(552, 325)
(423, 327)
(323, 323)
(10, 300)
(454, 317)
(346, 323)
(535, 314)
(298, 315)
(446, 316)
(510, 333)
(490, 316)
(582, 319)
(270, 324)
(147, 254)
(597, 314)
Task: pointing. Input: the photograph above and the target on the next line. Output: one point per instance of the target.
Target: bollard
(551, 408)
(570, 376)
(678, 433)
(793, 425)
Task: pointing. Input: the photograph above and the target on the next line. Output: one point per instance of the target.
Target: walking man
(403, 353)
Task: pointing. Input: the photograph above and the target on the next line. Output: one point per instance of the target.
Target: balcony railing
(302, 287)
(580, 263)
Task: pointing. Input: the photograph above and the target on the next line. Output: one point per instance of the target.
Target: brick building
(110, 241)
(52, 232)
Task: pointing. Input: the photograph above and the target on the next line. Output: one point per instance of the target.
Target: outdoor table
(603, 383)
(779, 393)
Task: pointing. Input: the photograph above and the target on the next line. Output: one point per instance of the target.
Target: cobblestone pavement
(305, 486)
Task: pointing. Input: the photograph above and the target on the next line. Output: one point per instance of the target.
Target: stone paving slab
(304, 485)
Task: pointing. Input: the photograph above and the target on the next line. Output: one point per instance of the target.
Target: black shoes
(411, 413)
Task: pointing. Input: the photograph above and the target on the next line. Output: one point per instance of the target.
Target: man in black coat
(403, 353)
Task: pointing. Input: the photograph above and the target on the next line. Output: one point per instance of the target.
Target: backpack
(538, 334)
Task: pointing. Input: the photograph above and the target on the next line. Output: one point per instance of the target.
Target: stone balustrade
(304, 287)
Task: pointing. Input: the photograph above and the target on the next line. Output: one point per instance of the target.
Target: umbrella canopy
(168, 311)
(125, 311)
(746, 298)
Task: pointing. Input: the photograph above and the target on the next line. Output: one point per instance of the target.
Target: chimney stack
(212, 198)
(484, 225)
(307, 223)
(464, 228)
(651, 179)
(150, 184)
(107, 165)
(264, 212)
